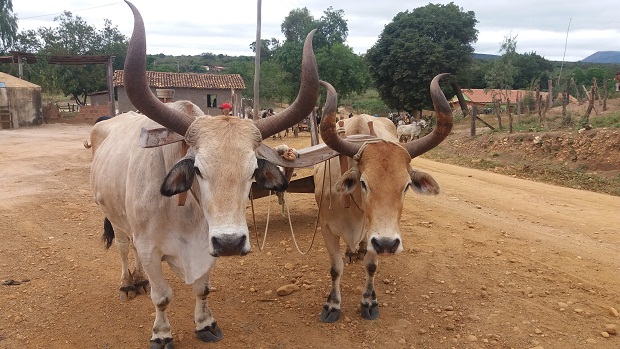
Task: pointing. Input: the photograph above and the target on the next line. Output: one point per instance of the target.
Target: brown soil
(492, 262)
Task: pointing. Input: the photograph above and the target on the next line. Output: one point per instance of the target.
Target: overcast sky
(184, 27)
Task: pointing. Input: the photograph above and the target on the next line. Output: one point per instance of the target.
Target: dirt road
(491, 262)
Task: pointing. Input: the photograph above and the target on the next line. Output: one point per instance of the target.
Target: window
(2, 84)
(211, 101)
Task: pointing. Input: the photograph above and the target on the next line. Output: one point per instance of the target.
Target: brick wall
(90, 113)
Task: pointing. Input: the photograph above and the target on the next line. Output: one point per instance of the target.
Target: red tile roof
(481, 96)
(188, 80)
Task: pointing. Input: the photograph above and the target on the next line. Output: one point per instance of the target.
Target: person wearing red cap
(226, 108)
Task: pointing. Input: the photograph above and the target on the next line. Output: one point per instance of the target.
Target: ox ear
(268, 176)
(180, 178)
(347, 182)
(423, 183)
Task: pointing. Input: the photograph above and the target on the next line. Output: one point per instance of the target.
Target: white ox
(411, 131)
(133, 185)
(363, 206)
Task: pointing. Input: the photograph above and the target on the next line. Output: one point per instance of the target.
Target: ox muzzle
(230, 245)
(383, 245)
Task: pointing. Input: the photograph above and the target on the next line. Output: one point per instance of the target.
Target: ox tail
(108, 233)
(89, 145)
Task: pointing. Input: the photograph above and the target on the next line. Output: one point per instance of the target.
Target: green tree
(338, 64)
(288, 57)
(73, 36)
(415, 47)
(332, 28)
(502, 71)
(267, 48)
(345, 70)
(8, 25)
(274, 84)
(297, 25)
(531, 67)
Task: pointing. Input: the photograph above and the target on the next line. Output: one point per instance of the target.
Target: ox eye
(198, 172)
(363, 184)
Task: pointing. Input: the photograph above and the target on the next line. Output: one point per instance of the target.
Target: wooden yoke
(344, 164)
(371, 126)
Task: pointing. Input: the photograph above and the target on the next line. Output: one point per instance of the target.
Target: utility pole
(257, 48)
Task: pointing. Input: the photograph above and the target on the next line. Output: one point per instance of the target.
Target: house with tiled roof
(485, 98)
(207, 91)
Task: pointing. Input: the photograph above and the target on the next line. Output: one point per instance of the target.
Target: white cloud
(191, 27)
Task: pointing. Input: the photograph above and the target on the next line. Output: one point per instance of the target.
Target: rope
(261, 246)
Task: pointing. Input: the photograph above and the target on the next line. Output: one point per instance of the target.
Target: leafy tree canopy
(8, 25)
(72, 36)
(267, 48)
(415, 47)
(337, 62)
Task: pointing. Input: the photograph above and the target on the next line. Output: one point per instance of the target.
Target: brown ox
(363, 206)
(133, 185)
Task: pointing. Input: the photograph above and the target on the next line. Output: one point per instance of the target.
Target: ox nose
(385, 245)
(228, 245)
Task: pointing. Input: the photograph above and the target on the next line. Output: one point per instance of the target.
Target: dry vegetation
(556, 154)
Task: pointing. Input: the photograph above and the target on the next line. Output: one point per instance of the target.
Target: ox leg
(362, 249)
(140, 280)
(331, 308)
(207, 329)
(369, 306)
(161, 295)
(127, 289)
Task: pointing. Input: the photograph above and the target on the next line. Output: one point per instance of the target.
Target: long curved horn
(137, 86)
(306, 98)
(328, 125)
(444, 122)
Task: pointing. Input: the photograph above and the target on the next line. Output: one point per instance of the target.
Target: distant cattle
(408, 132)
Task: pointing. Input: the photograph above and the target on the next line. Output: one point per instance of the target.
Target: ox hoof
(211, 333)
(142, 287)
(162, 343)
(127, 292)
(370, 311)
(329, 314)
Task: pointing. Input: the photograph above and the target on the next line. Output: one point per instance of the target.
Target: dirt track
(492, 262)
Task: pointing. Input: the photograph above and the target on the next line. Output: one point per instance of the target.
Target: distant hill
(603, 57)
(485, 57)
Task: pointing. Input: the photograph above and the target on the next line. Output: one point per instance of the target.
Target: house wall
(196, 96)
(25, 105)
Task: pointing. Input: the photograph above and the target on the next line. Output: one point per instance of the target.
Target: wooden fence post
(598, 91)
(497, 104)
(474, 115)
(605, 94)
(565, 95)
(577, 94)
(509, 115)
